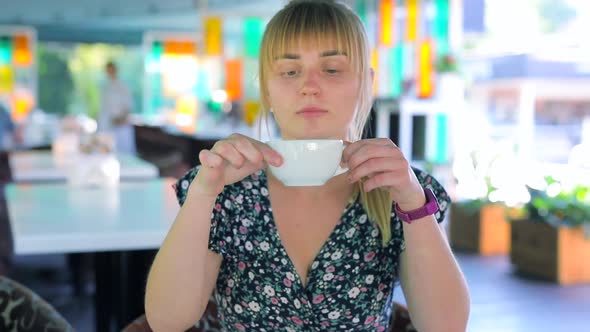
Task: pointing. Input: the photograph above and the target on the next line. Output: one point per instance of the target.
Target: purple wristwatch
(431, 207)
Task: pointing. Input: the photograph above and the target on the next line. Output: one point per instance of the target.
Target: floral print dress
(350, 282)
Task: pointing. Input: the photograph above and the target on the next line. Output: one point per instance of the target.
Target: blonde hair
(320, 21)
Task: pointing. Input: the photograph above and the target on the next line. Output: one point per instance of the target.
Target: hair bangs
(317, 25)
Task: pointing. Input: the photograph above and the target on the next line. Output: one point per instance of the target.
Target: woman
(308, 258)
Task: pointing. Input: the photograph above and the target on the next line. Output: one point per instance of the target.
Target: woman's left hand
(381, 164)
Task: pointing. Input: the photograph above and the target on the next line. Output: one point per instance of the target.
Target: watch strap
(430, 208)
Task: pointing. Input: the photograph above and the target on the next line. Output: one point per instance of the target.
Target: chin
(313, 136)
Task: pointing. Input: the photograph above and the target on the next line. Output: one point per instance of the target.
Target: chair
(400, 321)
(6, 241)
(21, 310)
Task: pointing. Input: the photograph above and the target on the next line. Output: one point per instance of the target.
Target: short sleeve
(220, 216)
(444, 201)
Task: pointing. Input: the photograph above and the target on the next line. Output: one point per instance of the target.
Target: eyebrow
(292, 56)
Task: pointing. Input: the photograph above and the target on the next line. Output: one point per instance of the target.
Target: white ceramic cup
(310, 162)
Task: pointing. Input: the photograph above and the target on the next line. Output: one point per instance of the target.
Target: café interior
(491, 97)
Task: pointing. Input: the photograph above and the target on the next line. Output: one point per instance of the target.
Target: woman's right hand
(229, 161)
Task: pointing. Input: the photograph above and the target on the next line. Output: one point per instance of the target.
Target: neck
(336, 185)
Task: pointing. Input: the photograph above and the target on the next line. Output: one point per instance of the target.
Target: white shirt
(115, 101)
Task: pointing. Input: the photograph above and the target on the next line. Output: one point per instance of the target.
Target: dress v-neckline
(277, 236)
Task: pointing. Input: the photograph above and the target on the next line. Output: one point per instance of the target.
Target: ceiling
(121, 21)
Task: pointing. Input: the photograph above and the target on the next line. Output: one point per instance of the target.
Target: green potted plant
(551, 243)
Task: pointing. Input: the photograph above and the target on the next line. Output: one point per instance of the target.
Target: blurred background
(491, 96)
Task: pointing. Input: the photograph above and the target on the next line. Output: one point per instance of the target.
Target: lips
(312, 111)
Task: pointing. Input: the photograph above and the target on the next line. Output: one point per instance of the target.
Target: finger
(371, 151)
(228, 151)
(385, 179)
(210, 159)
(249, 151)
(372, 166)
(342, 158)
(352, 147)
(271, 156)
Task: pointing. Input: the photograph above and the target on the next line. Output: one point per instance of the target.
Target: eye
(331, 71)
(289, 73)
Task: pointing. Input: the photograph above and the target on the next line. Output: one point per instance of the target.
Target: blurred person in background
(115, 108)
(10, 134)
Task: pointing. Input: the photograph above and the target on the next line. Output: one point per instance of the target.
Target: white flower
(238, 309)
(255, 191)
(264, 191)
(325, 311)
(227, 204)
(254, 306)
(370, 278)
(251, 275)
(380, 296)
(246, 223)
(264, 246)
(284, 261)
(375, 232)
(328, 276)
(269, 291)
(290, 329)
(184, 184)
(350, 233)
(355, 320)
(314, 265)
(355, 256)
(266, 218)
(363, 219)
(297, 303)
(354, 292)
(249, 246)
(290, 276)
(230, 283)
(247, 184)
(336, 256)
(334, 315)
(284, 300)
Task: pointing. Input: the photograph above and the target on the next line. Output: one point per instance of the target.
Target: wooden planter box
(485, 231)
(559, 254)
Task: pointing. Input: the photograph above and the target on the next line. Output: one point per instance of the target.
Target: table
(36, 166)
(48, 218)
(55, 218)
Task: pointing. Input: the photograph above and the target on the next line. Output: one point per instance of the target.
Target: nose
(310, 85)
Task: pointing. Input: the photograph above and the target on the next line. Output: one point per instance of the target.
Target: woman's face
(313, 92)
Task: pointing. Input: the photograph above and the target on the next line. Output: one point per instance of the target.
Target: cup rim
(307, 140)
